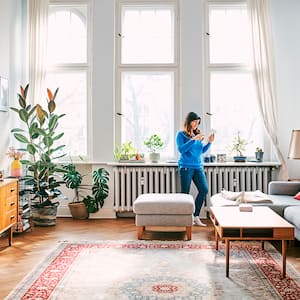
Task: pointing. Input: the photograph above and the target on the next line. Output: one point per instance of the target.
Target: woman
(191, 147)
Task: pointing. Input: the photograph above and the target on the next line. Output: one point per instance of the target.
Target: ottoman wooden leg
(140, 231)
(189, 232)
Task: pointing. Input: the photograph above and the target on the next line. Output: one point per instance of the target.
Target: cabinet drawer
(12, 189)
(11, 203)
(10, 218)
(8, 203)
(8, 190)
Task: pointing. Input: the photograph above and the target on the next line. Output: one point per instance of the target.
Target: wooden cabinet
(9, 197)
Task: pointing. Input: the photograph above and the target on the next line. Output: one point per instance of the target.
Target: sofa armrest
(290, 188)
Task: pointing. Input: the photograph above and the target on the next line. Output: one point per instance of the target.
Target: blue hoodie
(190, 151)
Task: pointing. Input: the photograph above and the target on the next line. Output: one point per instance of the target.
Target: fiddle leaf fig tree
(40, 139)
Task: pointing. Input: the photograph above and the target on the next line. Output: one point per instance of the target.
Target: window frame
(208, 67)
(148, 67)
(84, 67)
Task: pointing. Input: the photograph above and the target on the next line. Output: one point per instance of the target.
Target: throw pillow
(297, 196)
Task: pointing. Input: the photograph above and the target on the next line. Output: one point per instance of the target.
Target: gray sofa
(282, 195)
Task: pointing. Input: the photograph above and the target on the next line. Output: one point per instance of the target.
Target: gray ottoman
(164, 210)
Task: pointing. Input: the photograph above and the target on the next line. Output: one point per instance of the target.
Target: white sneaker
(198, 222)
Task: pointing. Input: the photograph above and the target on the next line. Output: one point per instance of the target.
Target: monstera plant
(85, 202)
(41, 140)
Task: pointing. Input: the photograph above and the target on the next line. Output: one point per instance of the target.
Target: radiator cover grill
(130, 182)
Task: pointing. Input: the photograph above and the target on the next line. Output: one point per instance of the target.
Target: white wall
(286, 28)
(11, 66)
(103, 80)
(285, 16)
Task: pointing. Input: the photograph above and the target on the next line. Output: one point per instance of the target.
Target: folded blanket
(246, 197)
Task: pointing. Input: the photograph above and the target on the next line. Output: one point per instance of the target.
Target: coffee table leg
(227, 244)
(283, 250)
(216, 239)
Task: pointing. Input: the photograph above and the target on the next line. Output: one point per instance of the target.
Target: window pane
(229, 37)
(147, 35)
(148, 107)
(234, 108)
(71, 100)
(67, 34)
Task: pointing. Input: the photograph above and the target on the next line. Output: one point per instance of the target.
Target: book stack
(245, 207)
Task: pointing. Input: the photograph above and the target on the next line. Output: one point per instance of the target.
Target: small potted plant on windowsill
(127, 152)
(238, 146)
(259, 154)
(154, 143)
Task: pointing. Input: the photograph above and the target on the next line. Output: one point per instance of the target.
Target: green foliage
(39, 138)
(73, 180)
(239, 145)
(154, 143)
(99, 191)
(125, 151)
(258, 149)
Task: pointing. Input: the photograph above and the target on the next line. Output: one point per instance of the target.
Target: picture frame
(3, 94)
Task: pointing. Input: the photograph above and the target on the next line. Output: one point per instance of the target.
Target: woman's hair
(187, 128)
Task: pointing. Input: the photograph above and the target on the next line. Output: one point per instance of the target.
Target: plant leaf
(51, 106)
(23, 115)
(21, 138)
(31, 149)
(58, 136)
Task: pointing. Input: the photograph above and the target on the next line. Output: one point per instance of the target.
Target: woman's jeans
(198, 176)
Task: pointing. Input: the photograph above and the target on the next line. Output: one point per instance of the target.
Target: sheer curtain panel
(264, 72)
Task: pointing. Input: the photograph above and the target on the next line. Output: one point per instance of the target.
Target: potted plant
(154, 143)
(83, 204)
(238, 146)
(259, 154)
(127, 151)
(40, 139)
(100, 189)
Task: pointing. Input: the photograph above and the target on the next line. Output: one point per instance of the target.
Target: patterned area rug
(159, 270)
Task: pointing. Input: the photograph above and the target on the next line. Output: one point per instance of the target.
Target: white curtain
(37, 47)
(264, 72)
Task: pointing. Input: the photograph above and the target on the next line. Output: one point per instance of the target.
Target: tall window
(69, 70)
(230, 86)
(146, 74)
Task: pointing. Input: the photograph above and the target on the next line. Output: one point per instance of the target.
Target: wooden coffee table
(261, 224)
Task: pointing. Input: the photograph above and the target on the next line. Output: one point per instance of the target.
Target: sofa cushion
(292, 215)
(279, 202)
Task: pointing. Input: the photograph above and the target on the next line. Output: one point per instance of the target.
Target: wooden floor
(31, 247)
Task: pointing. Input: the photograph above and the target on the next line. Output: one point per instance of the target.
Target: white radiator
(130, 182)
(238, 178)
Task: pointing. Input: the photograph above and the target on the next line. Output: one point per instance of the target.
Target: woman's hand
(199, 137)
(211, 137)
